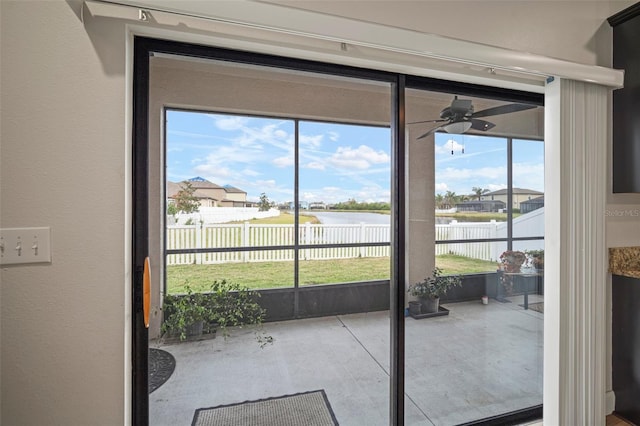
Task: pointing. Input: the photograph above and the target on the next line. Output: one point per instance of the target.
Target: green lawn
(261, 275)
(452, 264)
(284, 219)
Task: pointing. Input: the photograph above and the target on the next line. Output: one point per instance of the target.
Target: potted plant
(429, 290)
(511, 261)
(189, 315)
(185, 314)
(233, 305)
(535, 258)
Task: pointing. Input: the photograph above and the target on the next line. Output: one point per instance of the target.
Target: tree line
(352, 204)
(449, 199)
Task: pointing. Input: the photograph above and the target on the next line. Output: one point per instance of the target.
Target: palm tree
(450, 199)
(479, 192)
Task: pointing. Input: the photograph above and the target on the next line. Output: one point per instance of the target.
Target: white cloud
(282, 162)
(315, 165)
(442, 187)
(309, 196)
(371, 194)
(311, 141)
(212, 173)
(267, 184)
(528, 175)
(280, 134)
(360, 158)
(332, 189)
(333, 136)
(448, 146)
(473, 175)
(230, 122)
(251, 173)
(493, 187)
(461, 180)
(191, 134)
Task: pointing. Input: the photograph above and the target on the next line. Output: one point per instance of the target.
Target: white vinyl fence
(243, 235)
(259, 235)
(221, 215)
(467, 231)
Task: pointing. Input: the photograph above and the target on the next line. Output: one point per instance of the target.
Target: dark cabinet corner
(626, 101)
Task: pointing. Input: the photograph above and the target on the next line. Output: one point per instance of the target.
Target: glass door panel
(478, 354)
(254, 157)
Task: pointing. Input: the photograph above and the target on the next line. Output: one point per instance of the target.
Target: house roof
(536, 200)
(198, 182)
(230, 189)
(174, 187)
(472, 202)
(515, 191)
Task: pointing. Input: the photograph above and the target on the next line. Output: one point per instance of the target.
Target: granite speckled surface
(625, 261)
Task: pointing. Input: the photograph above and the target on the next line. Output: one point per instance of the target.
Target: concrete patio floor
(478, 361)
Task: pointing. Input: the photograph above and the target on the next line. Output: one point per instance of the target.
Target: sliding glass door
(289, 206)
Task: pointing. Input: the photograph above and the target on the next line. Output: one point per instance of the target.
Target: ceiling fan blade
(430, 132)
(502, 109)
(428, 121)
(481, 125)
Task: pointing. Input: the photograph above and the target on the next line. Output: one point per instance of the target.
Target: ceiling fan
(460, 117)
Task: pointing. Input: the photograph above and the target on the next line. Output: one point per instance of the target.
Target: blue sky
(484, 163)
(338, 161)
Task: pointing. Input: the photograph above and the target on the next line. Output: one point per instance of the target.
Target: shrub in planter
(225, 305)
(431, 288)
(231, 304)
(185, 315)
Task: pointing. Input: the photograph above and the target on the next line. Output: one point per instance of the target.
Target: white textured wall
(575, 30)
(63, 164)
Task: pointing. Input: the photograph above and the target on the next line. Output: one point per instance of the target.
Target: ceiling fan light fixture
(457, 127)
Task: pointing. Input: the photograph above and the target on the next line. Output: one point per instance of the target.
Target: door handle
(146, 291)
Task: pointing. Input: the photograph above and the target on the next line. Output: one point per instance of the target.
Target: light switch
(25, 245)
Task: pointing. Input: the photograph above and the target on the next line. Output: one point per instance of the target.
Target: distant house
(210, 194)
(234, 197)
(317, 205)
(480, 206)
(519, 195)
(532, 204)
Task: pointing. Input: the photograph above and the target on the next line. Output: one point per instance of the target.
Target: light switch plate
(25, 245)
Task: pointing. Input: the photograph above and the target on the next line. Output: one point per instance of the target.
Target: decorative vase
(430, 305)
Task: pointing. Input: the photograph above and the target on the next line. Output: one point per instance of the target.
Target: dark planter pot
(430, 305)
(415, 308)
(195, 329)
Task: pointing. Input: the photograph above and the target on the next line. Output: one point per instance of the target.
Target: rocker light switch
(25, 245)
